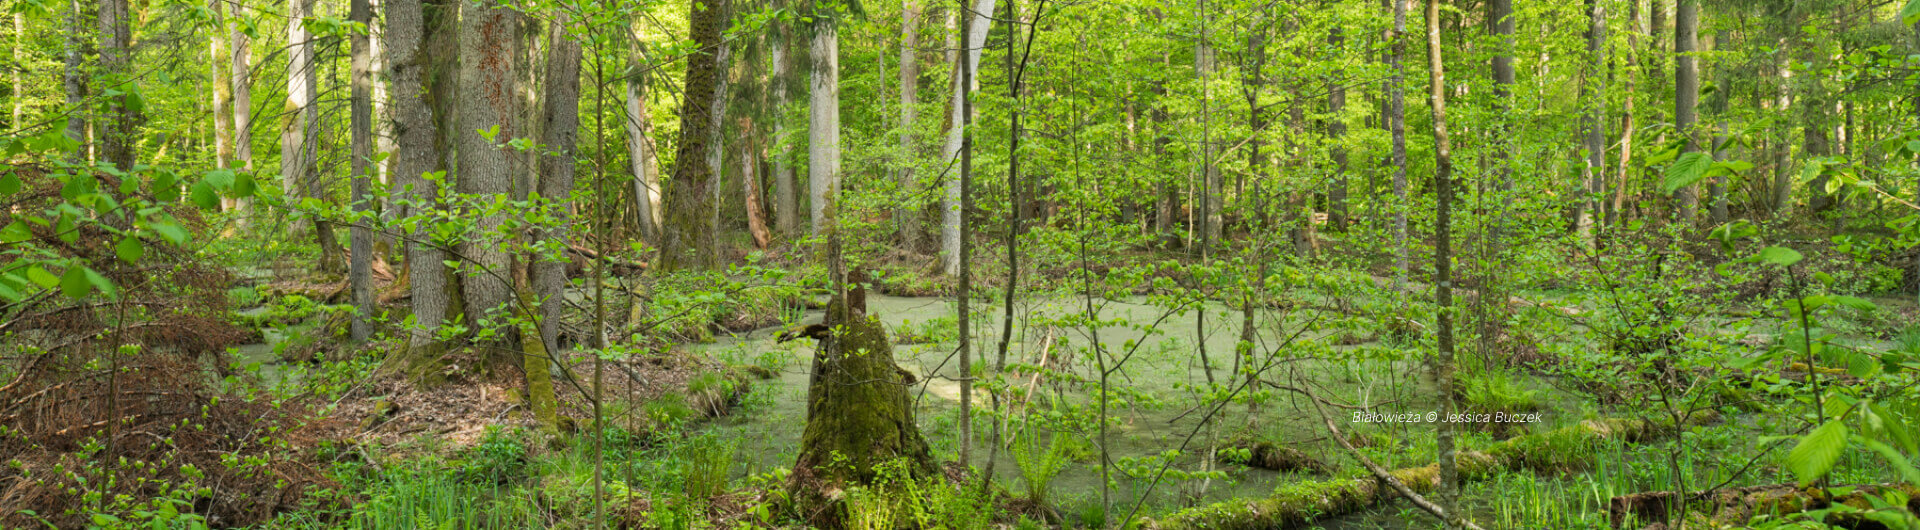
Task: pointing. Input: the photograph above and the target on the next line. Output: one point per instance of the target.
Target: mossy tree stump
(859, 416)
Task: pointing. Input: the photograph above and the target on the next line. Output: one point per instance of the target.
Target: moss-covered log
(859, 416)
(1301, 504)
(1734, 507)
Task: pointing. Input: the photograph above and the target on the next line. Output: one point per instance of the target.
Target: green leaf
(1686, 170)
(130, 249)
(1910, 14)
(99, 282)
(1855, 302)
(243, 186)
(1781, 256)
(205, 197)
(1898, 461)
(171, 232)
(15, 232)
(1814, 456)
(1862, 365)
(219, 178)
(74, 282)
(41, 277)
(9, 184)
(165, 187)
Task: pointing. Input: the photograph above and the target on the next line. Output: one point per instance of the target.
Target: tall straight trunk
(1165, 199)
(1209, 195)
(382, 124)
(360, 246)
(1397, 121)
(299, 142)
(116, 60)
(1336, 134)
(1686, 97)
(415, 135)
(1616, 209)
(717, 146)
(642, 160)
(487, 104)
(242, 86)
(1816, 108)
(823, 122)
(786, 199)
(1253, 83)
(964, 294)
(20, 62)
(222, 93)
(561, 109)
(907, 217)
(1587, 207)
(1442, 262)
(975, 34)
(689, 203)
(73, 82)
(1500, 17)
(1717, 188)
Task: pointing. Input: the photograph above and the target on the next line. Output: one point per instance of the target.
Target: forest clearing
(1008, 264)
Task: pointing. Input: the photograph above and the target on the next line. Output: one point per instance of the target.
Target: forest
(919, 265)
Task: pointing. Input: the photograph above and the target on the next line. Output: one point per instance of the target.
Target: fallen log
(1734, 507)
(1301, 504)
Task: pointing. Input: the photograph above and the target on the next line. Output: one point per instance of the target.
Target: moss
(859, 416)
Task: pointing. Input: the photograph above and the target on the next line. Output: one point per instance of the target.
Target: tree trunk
(1500, 15)
(20, 62)
(73, 82)
(750, 186)
(907, 217)
(976, 40)
(717, 146)
(1397, 121)
(859, 416)
(360, 247)
(1208, 214)
(1587, 207)
(242, 86)
(222, 92)
(562, 114)
(640, 149)
(786, 199)
(689, 203)
(1686, 86)
(823, 121)
(1442, 260)
(487, 104)
(116, 59)
(416, 136)
(1336, 132)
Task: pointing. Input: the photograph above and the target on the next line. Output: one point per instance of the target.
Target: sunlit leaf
(1686, 170)
(130, 249)
(1814, 456)
(74, 283)
(1781, 256)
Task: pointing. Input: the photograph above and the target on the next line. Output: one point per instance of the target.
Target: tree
(1208, 214)
(242, 87)
(1397, 124)
(562, 114)
(823, 114)
(123, 111)
(73, 83)
(487, 121)
(1442, 259)
(222, 93)
(786, 200)
(640, 149)
(1336, 134)
(360, 270)
(975, 38)
(1594, 169)
(299, 152)
(1686, 86)
(907, 219)
(415, 156)
(688, 206)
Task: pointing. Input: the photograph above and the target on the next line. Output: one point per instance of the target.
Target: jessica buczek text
(1367, 416)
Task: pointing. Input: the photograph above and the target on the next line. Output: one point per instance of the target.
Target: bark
(1165, 199)
(1596, 141)
(907, 217)
(20, 61)
(299, 141)
(786, 200)
(360, 270)
(1500, 15)
(717, 148)
(640, 149)
(487, 102)
(1443, 257)
(823, 121)
(222, 93)
(1336, 132)
(116, 59)
(689, 203)
(1686, 86)
(1208, 197)
(859, 416)
(561, 132)
(1397, 121)
(242, 86)
(750, 186)
(415, 135)
(1616, 211)
(73, 82)
(975, 41)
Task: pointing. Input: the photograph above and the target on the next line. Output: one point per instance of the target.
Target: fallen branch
(1737, 506)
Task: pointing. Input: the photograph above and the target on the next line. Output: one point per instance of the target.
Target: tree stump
(859, 417)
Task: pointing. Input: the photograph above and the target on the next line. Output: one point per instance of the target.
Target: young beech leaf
(1781, 256)
(1686, 170)
(129, 249)
(74, 282)
(204, 196)
(1817, 452)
